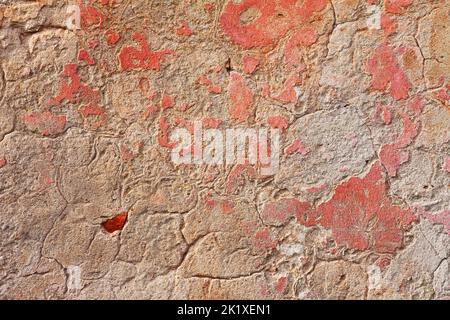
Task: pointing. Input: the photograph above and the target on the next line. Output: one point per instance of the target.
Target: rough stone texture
(359, 208)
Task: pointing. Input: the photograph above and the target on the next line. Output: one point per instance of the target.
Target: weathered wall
(92, 206)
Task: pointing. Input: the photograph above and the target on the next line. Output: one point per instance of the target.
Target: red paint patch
(279, 212)
(183, 29)
(72, 90)
(116, 223)
(143, 58)
(295, 147)
(260, 23)
(288, 94)
(163, 135)
(241, 98)
(203, 80)
(47, 123)
(440, 218)
(126, 154)
(416, 105)
(388, 26)
(396, 6)
(90, 16)
(112, 37)
(278, 122)
(167, 101)
(280, 287)
(211, 123)
(83, 55)
(361, 215)
(304, 37)
(250, 63)
(3, 162)
(208, 7)
(94, 116)
(386, 73)
(391, 155)
(263, 240)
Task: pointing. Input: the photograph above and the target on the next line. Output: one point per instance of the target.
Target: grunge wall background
(93, 207)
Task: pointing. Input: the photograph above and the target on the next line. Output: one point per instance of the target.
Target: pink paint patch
(392, 158)
(278, 122)
(47, 123)
(319, 188)
(391, 155)
(388, 26)
(167, 101)
(279, 212)
(386, 73)
(3, 162)
(288, 94)
(250, 63)
(361, 215)
(446, 165)
(416, 105)
(263, 240)
(211, 123)
(440, 218)
(296, 147)
(385, 111)
(304, 37)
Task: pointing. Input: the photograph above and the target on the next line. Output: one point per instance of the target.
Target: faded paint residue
(392, 155)
(163, 135)
(389, 27)
(280, 287)
(264, 240)
(46, 122)
(296, 147)
(250, 63)
(386, 73)
(304, 37)
(289, 94)
(361, 215)
(203, 80)
(184, 29)
(3, 162)
(279, 212)
(446, 165)
(278, 122)
(241, 98)
(440, 218)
